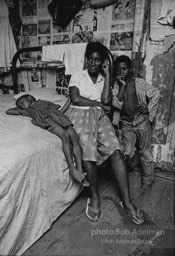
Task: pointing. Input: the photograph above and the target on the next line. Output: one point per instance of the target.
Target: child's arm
(66, 105)
(13, 111)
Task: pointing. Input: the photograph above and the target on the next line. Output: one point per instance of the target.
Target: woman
(90, 95)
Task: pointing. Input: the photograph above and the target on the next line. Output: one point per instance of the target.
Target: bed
(35, 186)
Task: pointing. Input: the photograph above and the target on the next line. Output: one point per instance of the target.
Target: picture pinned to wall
(42, 3)
(29, 41)
(84, 21)
(103, 23)
(115, 54)
(62, 82)
(123, 9)
(82, 37)
(29, 20)
(118, 26)
(43, 77)
(18, 42)
(121, 41)
(44, 26)
(21, 87)
(103, 38)
(29, 30)
(29, 7)
(44, 40)
(42, 8)
(35, 76)
(57, 29)
(61, 39)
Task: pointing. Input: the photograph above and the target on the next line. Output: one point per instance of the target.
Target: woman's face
(94, 63)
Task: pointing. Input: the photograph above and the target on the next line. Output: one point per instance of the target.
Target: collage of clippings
(112, 26)
(88, 25)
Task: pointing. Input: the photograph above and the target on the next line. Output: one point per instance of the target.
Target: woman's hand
(106, 108)
(105, 67)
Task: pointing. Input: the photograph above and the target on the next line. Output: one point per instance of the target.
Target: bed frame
(39, 48)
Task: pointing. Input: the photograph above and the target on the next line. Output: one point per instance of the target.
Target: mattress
(35, 185)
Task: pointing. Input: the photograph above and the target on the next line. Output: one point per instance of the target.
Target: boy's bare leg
(67, 149)
(77, 153)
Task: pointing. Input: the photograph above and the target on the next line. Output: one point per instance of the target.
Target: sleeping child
(46, 115)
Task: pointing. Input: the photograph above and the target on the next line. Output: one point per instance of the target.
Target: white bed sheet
(35, 186)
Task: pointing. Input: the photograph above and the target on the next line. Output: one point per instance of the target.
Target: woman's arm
(79, 100)
(13, 111)
(106, 97)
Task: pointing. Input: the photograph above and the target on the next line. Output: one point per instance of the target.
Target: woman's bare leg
(91, 169)
(67, 149)
(120, 171)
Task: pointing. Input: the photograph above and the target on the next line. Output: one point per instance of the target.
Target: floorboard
(114, 235)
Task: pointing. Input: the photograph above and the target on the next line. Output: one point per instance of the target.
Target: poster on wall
(123, 9)
(103, 38)
(29, 30)
(44, 26)
(57, 29)
(82, 37)
(29, 41)
(121, 41)
(29, 7)
(44, 40)
(42, 8)
(61, 39)
(83, 21)
(115, 54)
(122, 26)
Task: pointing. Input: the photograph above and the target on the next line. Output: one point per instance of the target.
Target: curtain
(7, 42)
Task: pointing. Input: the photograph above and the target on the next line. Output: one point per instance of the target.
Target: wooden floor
(115, 234)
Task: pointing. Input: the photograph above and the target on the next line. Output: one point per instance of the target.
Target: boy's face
(122, 71)
(94, 63)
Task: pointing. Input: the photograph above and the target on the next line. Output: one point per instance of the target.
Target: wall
(113, 26)
(159, 65)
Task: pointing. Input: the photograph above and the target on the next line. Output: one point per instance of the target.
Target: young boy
(46, 115)
(130, 96)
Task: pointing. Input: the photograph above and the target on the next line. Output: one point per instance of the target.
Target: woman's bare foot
(134, 213)
(93, 208)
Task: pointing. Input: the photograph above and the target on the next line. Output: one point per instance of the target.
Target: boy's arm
(13, 111)
(66, 106)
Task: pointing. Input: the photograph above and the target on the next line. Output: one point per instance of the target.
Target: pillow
(45, 94)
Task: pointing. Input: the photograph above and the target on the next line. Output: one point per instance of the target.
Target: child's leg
(77, 151)
(67, 149)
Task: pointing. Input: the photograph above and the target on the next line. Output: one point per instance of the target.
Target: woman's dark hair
(123, 58)
(96, 47)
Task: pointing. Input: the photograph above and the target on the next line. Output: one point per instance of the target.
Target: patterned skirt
(97, 136)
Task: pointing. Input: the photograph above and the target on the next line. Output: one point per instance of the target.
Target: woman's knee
(117, 155)
(147, 155)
